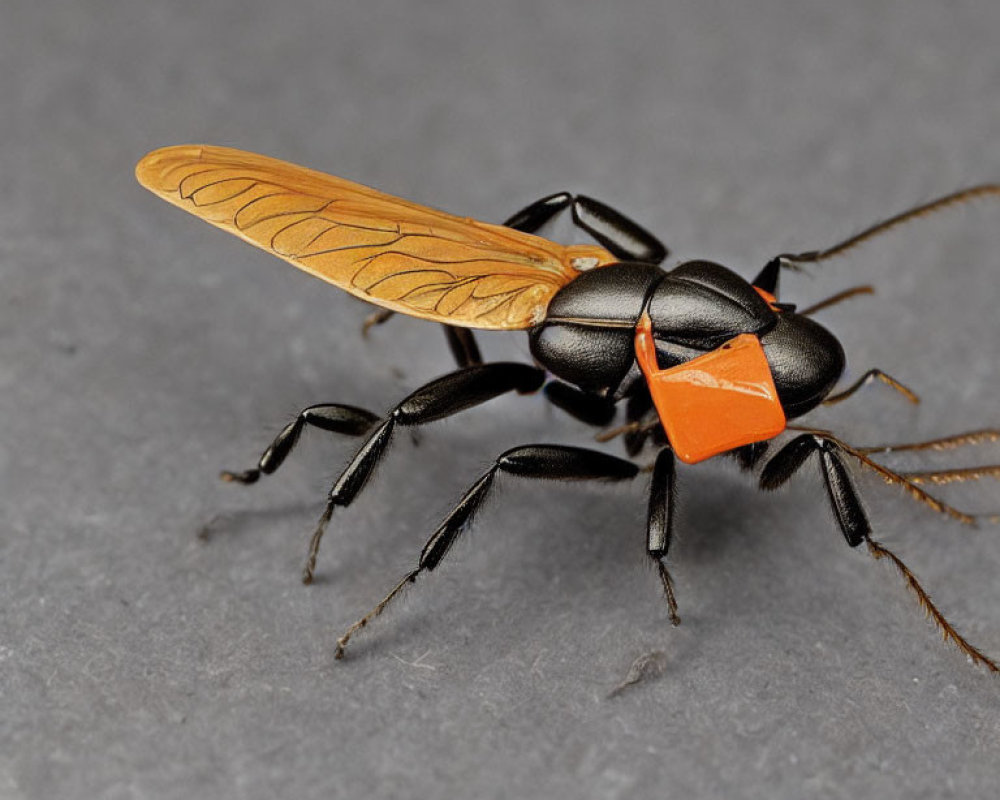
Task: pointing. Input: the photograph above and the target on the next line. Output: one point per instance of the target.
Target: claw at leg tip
(248, 477)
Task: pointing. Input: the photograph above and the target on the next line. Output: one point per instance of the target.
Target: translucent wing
(385, 250)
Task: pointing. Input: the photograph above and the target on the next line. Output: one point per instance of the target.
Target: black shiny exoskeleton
(587, 342)
(589, 331)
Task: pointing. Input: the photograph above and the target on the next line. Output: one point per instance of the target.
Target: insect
(702, 361)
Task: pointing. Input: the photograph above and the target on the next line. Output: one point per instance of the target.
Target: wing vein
(386, 250)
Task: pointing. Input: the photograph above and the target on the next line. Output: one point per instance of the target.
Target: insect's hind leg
(548, 462)
(852, 520)
(440, 398)
(622, 236)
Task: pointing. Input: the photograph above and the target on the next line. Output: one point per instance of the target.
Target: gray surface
(140, 351)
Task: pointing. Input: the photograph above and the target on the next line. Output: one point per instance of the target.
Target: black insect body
(588, 337)
(702, 361)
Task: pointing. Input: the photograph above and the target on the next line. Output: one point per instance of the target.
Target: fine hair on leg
(538, 461)
(853, 521)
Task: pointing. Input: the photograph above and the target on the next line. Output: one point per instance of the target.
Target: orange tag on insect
(715, 402)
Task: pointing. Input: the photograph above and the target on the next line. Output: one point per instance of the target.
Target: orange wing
(388, 251)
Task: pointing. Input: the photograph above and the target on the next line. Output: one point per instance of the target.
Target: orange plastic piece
(716, 402)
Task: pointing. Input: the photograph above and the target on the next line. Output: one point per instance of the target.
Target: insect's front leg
(852, 519)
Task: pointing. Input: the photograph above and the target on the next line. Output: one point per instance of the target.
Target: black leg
(342, 419)
(660, 522)
(592, 409)
(843, 498)
(853, 521)
(551, 462)
(767, 278)
(440, 398)
(532, 218)
(639, 412)
(463, 346)
(641, 423)
(461, 341)
(911, 485)
(623, 237)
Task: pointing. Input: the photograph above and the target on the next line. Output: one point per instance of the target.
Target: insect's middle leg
(659, 529)
(641, 424)
(589, 408)
(547, 462)
(440, 398)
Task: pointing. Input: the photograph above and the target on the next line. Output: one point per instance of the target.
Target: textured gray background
(141, 351)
